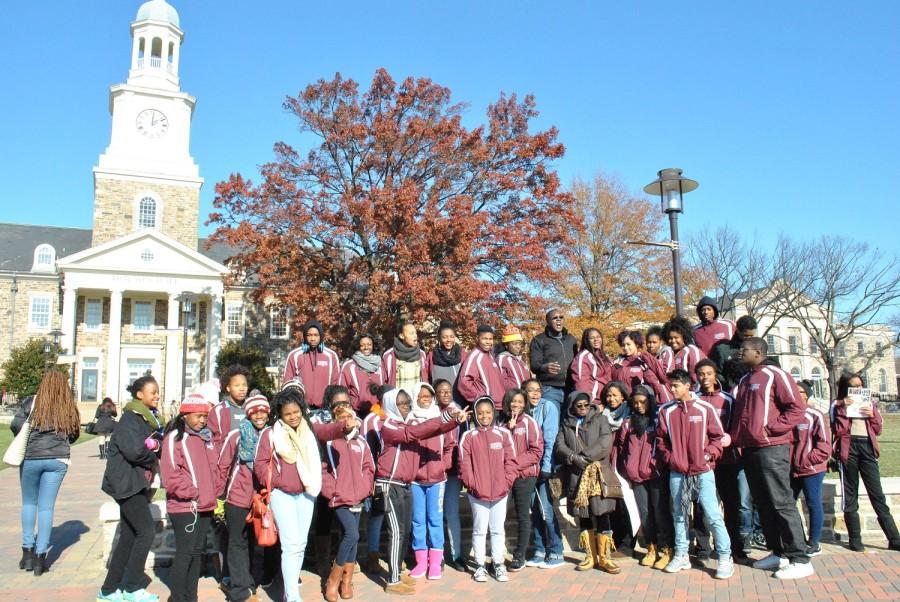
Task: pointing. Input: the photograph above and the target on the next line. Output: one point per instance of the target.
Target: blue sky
(788, 113)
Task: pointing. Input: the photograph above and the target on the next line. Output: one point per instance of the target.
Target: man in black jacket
(550, 355)
(727, 354)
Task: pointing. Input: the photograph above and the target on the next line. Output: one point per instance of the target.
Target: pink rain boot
(435, 559)
(421, 564)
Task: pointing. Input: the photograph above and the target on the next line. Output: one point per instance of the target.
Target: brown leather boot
(588, 543)
(346, 588)
(604, 552)
(333, 581)
(650, 557)
(665, 557)
(400, 589)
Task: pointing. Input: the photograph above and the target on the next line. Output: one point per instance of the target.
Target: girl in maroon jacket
(528, 446)
(488, 468)
(238, 486)
(638, 367)
(810, 451)
(679, 333)
(361, 373)
(634, 452)
(591, 370)
(348, 478)
(856, 447)
(188, 464)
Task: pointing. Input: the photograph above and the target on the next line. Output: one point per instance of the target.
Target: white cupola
(157, 38)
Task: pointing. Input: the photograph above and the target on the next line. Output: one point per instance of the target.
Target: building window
(278, 323)
(882, 381)
(795, 373)
(147, 255)
(234, 320)
(142, 316)
(44, 256)
(842, 350)
(813, 346)
(879, 349)
(89, 375)
(93, 314)
(772, 343)
(39, 312)
(193, 312)
(860, 348)
(792, 344)
(138, 368)
(190, 374)
(147, 212)
(818, 384)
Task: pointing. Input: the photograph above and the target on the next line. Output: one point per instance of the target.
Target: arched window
(818, 384)
(44, 256)
(156, 53)
(795, 373)
(147, 212)
(882, 381)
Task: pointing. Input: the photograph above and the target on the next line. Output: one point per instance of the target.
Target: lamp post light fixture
(670, 186)
(187, 300)
(50, 347)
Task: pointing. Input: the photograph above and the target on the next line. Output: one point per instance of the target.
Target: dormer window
(44, 258)
(147, 212)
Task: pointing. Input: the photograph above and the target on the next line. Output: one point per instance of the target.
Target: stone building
(115, 291)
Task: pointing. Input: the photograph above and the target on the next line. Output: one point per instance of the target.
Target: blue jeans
(427, 516)
(40, 481)
(555, 395)
(373, 529)
(452, 488)
(811, 487)
(546, 533)
(712, 515)
(293, 514)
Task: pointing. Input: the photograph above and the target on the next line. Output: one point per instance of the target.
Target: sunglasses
(583, 404)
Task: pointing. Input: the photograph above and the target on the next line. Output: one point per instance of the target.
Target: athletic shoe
(516, 565)
(746, 543)
(116, 596)
(678, 563)
(759, 539)
(771, 563)
(813, 549)
(480, 575)
(456, 564)
(725, 568)
(500, 573)
(537, 562)
(795, 570)
(140, 595)
(554, 562)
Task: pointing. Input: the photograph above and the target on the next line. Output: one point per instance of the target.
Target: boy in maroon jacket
(689, 441)
(480, 375)
(313, 363)
(767, 407)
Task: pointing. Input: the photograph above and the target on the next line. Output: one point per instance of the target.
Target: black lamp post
(670, 187)
(49, 347)
(186, 299)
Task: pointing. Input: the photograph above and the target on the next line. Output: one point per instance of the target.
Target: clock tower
(147, 178)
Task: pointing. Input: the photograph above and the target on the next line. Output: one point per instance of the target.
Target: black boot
(27, 562)
(102, 451)
(854, 532)
(40, 564)
(890, 531)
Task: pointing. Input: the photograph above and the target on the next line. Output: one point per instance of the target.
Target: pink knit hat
(256, 403)
(194, 403)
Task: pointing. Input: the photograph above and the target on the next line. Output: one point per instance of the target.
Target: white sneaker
(678, 563)
(795, 570)
(480, 575)
(771, 563)
(500, 573)
(725, 568)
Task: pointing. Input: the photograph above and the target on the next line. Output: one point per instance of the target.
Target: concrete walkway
(76, 571)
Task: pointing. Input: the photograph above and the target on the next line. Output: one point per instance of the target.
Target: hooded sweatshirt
(591, 373)
(348, 470)
(316, 367)
(481, 377)
(686, 359)
(689, 436)
(487, 459)
(436, 452)
(642, 369)
(811, 447)
(513, 370)
(707, 334)
(236, 478)
(189, 471)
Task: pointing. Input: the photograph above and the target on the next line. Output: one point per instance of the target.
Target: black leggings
(346, 552)
(523, 494)
(190, 541)
(601, 523)
(136, 531)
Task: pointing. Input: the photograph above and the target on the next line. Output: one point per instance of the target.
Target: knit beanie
(256, 403)
(194, 403)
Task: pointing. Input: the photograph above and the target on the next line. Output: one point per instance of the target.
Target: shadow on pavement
(64, 536)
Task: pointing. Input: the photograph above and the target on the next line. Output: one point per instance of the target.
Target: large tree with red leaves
(398, 211)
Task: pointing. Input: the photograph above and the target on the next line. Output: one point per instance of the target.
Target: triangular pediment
(143, 251)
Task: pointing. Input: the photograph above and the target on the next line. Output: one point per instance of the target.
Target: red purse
(260, 515)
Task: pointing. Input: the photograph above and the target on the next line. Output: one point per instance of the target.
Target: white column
(214, 333)
(172, 381)
(113, 346)
(70, 296)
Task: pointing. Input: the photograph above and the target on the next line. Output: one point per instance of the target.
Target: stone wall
(116, 202)
(835, 528)
(18, 327)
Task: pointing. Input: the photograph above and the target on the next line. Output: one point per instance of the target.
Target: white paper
(630, 503)
(858, 398)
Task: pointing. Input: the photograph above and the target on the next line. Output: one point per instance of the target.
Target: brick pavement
(77, 570)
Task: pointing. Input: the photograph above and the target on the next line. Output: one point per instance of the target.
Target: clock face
(152, 123)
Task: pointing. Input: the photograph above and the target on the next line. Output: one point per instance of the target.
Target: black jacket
(129, 464)
(104, 419)
(593, 440)
(545, 349)
(41, 445)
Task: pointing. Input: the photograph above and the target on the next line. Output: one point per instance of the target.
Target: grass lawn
(6, 438)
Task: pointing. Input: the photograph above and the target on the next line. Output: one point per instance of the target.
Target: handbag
(610, 487)
(15, 453)
(91, 426)
(260, 515)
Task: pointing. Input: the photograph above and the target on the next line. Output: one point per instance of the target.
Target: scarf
(389, 406)
(615, 417)
(367, 363)
(445, 358)
(300, 448)
(138, 407)
(248, 439)
(589, 485)
(639, 423)
(405, 352)
(422, 414)
(203, 433)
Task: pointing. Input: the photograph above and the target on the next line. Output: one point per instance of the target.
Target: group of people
(690, 432)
